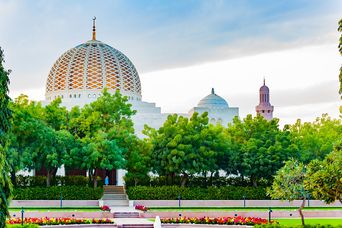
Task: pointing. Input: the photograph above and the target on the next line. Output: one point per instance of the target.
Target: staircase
(114, 196)
(127, 214)
(136, 226)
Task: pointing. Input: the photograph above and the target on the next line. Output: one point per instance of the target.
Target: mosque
(81, 73)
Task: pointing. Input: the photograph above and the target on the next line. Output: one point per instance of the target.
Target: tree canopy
(288, 184)
(5, 118)
(324, 178)
(104, 131)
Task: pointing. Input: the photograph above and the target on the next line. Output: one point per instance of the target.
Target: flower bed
(105, 208)
(141, 207)
(59, 221)
(220, 220)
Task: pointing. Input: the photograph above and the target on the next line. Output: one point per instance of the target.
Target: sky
(183, 48)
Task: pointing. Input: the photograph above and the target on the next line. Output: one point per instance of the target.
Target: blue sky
(164, 35)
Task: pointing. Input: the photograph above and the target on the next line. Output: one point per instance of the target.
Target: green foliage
(40, 181)
(105, 133)
(296, 226)
(5, 116)
(138, 163)
(195, 193)
(260, 147)
(340, 49)
(37, 139)
(54, 193)
(288, 184)
(197, 181)
(324, 178)
(24, 226)
(185, 146)
(315, 140)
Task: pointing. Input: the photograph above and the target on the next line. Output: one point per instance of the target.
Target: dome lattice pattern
(93, 66)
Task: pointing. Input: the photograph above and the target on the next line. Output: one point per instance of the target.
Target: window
(70, 96)
(88, 95)
(79, 95)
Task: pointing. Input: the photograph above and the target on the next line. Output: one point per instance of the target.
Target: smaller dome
(213, 101)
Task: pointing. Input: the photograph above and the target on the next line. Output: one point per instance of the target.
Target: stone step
(114, 196)
(113, 203)
(137, 225)
(126, 214)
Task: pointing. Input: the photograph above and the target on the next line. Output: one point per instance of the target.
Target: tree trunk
(254, 182)
(51, 173)
(13, 178)
(301, 212)
(211, 178)
(184, 179)
(95, 178)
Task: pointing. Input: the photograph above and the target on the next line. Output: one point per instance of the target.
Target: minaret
(264, 108)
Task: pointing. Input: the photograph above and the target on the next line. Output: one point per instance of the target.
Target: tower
(264, 108)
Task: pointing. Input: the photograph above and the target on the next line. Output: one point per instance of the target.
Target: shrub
(59, 221)
(198, 181)
(40, 181)
(220, 220)
(20, 226)
(296, 226)
(54, 193)
(196, 193)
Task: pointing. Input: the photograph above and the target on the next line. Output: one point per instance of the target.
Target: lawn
(322, 221)
(58, 209)
(229, 209)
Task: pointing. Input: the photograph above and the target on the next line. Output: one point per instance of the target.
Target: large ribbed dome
(213, 101)
(90, 67)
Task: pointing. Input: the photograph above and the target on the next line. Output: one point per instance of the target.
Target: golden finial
(94, 29)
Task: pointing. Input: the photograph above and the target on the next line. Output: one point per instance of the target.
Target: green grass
(311, 221)
(57, 209)
(205, 209)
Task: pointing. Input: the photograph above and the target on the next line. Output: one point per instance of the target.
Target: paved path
(120, 221)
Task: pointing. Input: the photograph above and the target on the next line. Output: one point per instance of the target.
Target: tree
(288, 184)
(185, 146)
(5, 116)
(36, 140)
(20, 136)
(324, 178)
(340, 49)
(261, 147)
(105, 133)
(315, 140)
(138, 161)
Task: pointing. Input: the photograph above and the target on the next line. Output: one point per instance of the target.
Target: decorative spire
(264, 80)
(94, 29)
(212, 91)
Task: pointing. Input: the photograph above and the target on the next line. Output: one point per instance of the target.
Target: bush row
(196, 193)
(40, 181)
(198, 181)
(55, 193)
(297, 226)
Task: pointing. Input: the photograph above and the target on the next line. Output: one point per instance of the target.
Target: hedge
(40, 181)
(196, 193)
(198, 181)
(297, 226)
(55, 192)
